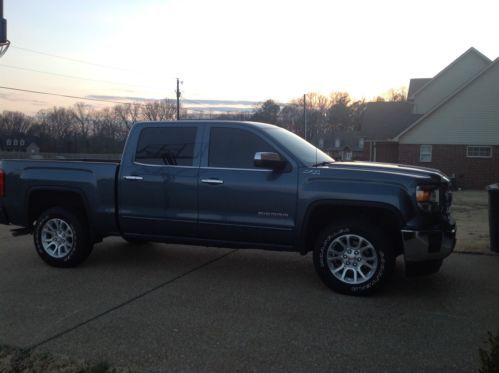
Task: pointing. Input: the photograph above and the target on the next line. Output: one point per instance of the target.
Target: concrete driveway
(177, 308)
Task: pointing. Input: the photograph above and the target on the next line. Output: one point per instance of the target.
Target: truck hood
(389, 169)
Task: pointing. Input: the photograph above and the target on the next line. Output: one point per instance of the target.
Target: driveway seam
(129, 301)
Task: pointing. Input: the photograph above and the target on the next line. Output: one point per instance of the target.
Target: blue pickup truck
(241, 185)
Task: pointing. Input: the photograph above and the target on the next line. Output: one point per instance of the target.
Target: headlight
(427, 197)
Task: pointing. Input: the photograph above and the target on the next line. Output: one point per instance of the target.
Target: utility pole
(178, 99)
(305, 113)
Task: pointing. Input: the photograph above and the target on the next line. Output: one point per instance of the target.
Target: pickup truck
(239, 185)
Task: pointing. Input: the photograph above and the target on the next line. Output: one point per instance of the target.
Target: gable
(464, 68)
(415, 85)
(468, 117)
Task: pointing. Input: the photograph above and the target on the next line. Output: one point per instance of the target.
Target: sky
(233, 49)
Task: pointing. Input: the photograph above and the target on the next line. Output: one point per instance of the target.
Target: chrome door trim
(212, 181)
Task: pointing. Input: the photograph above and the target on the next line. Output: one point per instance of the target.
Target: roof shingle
(385, 120)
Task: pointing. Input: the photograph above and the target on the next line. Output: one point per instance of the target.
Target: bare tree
(83, 116)
(128, 114)
(14, 122)
(160, 110)
(58, 127)
(397, 94)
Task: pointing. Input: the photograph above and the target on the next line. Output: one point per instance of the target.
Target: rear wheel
(62, 238)
(353, 257)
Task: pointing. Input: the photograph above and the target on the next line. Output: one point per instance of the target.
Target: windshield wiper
(324, 163)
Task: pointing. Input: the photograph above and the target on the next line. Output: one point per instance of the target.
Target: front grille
(445, 198)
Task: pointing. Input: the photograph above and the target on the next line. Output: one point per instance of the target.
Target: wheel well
(42, 200)
(322, 216)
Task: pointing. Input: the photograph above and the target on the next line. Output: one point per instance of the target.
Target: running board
(20, 232)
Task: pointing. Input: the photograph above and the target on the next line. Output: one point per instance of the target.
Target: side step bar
(20, 232)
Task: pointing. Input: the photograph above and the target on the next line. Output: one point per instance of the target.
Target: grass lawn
(23, 361)
(470, 209)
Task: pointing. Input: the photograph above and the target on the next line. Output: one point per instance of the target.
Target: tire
(62, 238)
(415, 269)
(358, 252)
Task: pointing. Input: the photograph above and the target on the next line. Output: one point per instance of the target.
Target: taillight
(2, 184)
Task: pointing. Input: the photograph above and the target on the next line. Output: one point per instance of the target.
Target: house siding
(464, 68)
(469, 173)
(471, 117)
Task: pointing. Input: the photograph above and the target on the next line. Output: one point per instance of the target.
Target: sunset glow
(234, 50)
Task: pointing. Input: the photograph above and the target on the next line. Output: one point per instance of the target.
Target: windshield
(306, 152)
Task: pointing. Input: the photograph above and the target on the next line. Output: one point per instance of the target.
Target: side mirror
(269, 160)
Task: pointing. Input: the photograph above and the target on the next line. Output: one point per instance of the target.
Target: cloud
(194, 105)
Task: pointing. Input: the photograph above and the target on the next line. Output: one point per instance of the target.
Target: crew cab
(240, 185)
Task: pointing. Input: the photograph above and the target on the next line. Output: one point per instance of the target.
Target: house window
(337, 143)
(21, 142)
(346, 155)
(9, 142)
(16, 142)
(477, 151)
(425, 153)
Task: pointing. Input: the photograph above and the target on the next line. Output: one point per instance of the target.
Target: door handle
(212, 181)
(133, 178)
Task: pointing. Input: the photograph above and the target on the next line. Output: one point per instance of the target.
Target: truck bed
(94, 181)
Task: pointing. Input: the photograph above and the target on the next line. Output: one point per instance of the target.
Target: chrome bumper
(428, 245)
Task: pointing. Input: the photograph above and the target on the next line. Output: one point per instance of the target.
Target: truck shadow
(247, 267)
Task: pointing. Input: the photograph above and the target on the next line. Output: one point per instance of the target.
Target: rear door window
(171, 146)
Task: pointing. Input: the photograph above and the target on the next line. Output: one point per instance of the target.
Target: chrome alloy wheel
(352, 259)
(57, 238)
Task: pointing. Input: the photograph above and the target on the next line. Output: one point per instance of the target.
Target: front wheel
(62, 238)
(353, 257)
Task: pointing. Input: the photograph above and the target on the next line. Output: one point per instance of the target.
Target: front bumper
(428, 245)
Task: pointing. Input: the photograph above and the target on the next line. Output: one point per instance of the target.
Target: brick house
(382, 122)
(450, 122)
(19, 143)
(342, 145)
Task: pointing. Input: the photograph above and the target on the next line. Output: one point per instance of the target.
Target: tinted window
(235, 148)
(166, 146)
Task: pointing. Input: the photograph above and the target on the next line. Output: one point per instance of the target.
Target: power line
(76, 60)
(93, 99)
(76, 77)
(70, 96)
(73, 59)
(191, 101)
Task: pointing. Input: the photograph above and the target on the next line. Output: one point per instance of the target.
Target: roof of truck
(207, 122)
